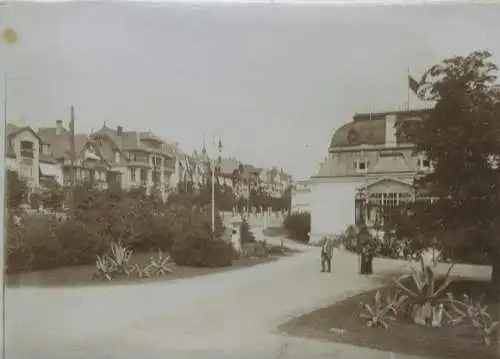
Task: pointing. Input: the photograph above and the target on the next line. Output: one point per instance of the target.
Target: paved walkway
(227, 315)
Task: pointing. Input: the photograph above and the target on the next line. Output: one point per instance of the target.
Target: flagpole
(73, 155)
(408, 89)
(4, 256)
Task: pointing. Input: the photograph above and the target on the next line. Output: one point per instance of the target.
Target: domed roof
(369, 128)
(361, 132)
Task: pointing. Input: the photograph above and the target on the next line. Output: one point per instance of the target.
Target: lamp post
(219, 149)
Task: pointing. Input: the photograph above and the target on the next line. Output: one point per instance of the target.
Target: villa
(367, 158)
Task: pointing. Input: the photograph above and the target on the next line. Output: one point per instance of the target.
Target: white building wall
(332, 206)
(301, 201)
(53, 169)
(11, 164)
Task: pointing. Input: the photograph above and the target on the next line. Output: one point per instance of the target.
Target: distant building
(139, 159)
(30, 156)
(368, 156)
(89, 164)
(301, 196)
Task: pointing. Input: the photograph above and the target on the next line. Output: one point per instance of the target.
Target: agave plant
(477, 314)
(426, 301)
(119, 257)
(142, 272)
(378, 314)
(160, 265)
(104, 268)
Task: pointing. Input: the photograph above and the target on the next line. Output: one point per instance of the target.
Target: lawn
(341, 322)
(81, 275)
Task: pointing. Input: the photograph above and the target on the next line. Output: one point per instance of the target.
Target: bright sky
(274, 81)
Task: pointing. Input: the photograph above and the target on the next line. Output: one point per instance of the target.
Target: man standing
(327, 253)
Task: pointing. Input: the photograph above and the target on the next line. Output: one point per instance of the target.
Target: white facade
(301, 196)
(332, 206)
(25, 162)
(364, 155)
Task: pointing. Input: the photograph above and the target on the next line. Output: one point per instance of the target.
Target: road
(227, 315)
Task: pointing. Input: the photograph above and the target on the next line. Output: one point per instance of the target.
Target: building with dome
(366, 157)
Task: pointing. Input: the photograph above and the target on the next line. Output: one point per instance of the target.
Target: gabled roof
(134, 140)
(227, 165)
(12, 131)
(60, 144)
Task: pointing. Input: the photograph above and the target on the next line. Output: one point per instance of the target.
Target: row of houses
(127, 159)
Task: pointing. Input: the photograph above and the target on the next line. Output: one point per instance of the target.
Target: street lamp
(219, 148)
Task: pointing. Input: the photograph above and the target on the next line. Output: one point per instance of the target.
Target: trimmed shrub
(298, 226)
(42, 242)
(142, 223)
(197, 247)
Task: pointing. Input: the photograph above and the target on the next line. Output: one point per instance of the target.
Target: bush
(197, 247)
(141, 223)
(42, 242)
(298, 226)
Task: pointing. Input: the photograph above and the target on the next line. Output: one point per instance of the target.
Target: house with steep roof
(226, 170)
(30, 156)
(140, 159)
(366, 155)
(274, 181)
(89, 164)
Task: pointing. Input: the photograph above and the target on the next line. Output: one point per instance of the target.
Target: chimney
(58, 127)
(390, 130)
(119, 130)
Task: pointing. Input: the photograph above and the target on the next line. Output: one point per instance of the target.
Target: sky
(273, 81)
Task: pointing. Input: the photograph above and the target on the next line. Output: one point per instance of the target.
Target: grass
(403, 336)
(81, 275)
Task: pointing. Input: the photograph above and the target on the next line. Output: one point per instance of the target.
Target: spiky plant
(380, 312)
(119, 257)
(104, 268)
(160, 264)
(476, 313)
(425, 300)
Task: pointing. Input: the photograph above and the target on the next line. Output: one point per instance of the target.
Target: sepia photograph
(240, 179)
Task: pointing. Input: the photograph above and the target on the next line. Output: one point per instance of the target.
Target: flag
(413, 84)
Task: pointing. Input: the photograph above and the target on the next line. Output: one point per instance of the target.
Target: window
(423, 164)
(493, 162)
(156, 161)
(361, 165)
(44, 148)
(144, 175)
(27, 149)
(132, 174)
(117, 157)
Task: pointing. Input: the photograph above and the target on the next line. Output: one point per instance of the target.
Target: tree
(461, 138)
(17, 190)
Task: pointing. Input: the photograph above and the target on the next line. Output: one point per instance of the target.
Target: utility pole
(72, 165)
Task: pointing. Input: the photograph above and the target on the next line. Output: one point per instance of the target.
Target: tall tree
(461, 138)
(17, 191)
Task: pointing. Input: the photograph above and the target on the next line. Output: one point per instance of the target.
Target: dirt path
(232, 314)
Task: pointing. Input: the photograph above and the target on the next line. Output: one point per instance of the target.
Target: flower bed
(348, 322)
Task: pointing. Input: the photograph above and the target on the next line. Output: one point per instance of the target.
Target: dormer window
(44, 148)
(361, 165)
